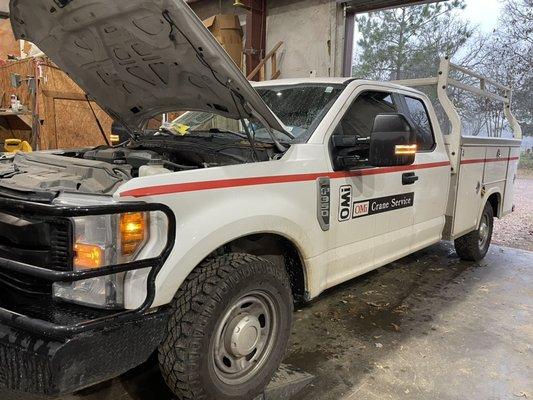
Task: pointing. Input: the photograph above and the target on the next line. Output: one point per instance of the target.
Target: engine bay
(101, 170)
(181, 153)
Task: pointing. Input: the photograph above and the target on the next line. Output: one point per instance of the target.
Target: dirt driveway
(516, 229)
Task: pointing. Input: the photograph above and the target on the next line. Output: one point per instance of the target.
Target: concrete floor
(426, 327)
(516, 229)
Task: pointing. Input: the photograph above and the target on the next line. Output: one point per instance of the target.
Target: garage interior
(427, 326)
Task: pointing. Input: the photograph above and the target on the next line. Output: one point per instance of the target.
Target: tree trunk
(399, 56)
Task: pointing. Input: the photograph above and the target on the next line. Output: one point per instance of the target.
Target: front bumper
(54, 348)
(30, 364)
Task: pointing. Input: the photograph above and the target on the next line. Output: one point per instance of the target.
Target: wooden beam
(362, 6)
(257, 69)
(64, 95)
(255, 34)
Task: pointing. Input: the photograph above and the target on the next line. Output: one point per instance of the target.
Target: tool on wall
(16, 145)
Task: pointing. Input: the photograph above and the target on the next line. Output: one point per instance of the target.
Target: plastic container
(14, 102)
(154, 167)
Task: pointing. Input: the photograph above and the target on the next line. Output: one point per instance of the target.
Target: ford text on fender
(194, 240)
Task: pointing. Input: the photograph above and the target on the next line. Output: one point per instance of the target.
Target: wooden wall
(8, 44)
(66, 118)
(24, 69)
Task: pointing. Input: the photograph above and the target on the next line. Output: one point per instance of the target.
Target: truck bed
(487, 167)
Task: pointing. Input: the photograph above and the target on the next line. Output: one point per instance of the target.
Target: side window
(359, 121)
(419, 117)
(359, 118)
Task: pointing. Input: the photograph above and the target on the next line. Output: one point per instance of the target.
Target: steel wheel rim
(245, 337)
(483, 232)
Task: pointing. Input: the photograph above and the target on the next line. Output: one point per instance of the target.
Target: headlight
(105, 240)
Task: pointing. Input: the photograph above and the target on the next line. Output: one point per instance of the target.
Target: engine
(102, 169)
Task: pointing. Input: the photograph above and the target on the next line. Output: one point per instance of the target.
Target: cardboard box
(227, 30)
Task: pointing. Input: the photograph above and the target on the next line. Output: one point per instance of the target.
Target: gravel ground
(516, 229)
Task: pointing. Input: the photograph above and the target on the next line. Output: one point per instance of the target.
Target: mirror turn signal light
(405, 149)
(88, 256)
(132, 231)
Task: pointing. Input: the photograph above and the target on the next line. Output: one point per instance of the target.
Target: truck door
(372, 210)
(432, 170)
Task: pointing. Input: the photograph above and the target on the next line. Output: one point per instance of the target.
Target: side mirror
(393, 141)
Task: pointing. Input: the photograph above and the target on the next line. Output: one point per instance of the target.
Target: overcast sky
(483, 13)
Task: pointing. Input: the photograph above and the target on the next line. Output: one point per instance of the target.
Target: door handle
(409, 178)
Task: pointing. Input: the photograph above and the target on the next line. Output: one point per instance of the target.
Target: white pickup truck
(195, 240)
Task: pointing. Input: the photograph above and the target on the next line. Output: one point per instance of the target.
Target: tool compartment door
(468, 197)
(496, 165)
(512, 165)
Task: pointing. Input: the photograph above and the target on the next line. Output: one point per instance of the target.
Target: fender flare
(172, 275)
(488, 194)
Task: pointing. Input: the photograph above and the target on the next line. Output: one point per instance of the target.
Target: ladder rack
(443, 81)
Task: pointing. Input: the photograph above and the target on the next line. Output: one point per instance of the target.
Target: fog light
(88, 256)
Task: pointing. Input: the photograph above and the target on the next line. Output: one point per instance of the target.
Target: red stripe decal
(266, 180)
(484, 160)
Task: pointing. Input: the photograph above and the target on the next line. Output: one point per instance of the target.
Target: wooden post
(255, 34)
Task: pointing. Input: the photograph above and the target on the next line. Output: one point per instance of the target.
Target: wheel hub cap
(243, 335)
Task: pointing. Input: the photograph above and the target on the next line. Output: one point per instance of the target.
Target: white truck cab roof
(331, 81)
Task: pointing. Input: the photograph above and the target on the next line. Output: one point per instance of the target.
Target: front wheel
(229, 329)
(474, 245)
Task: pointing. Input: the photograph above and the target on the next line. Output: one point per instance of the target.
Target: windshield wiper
(217, 130)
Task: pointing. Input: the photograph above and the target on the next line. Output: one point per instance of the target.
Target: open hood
(140, 58)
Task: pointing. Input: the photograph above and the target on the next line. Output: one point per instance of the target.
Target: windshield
(300, 107)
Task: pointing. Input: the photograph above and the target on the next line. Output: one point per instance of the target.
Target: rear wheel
(229, 329)
(474, 245)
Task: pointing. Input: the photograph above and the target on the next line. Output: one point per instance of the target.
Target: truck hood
(140, 58)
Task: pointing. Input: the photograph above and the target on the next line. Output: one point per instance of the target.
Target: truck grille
(60, 245)
(40, 242)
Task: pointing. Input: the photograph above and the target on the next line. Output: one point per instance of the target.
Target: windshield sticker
(329, 89)
(349, 210)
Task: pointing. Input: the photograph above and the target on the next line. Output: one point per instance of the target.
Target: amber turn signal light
(88, 256)
(402, 149)
(132, 232)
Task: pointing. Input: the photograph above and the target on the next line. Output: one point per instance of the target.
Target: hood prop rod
(97, 120)
(251, 138)
(168, 18)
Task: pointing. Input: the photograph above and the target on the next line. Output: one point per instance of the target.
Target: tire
(203, 356)
(474, 245)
